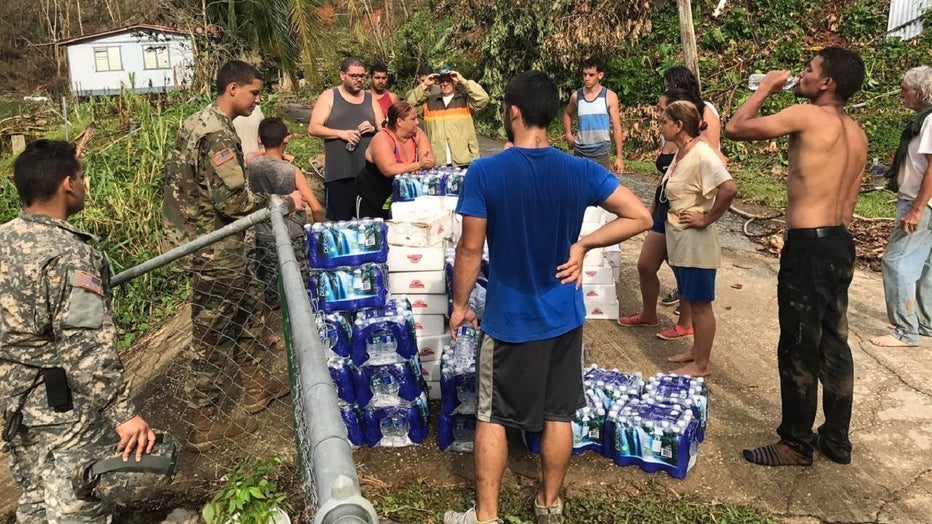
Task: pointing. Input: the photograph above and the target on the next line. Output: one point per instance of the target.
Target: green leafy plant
(248, 496)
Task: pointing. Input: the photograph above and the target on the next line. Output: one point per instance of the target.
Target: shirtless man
(827, 154)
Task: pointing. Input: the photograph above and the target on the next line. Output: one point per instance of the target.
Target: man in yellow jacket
(448, 116)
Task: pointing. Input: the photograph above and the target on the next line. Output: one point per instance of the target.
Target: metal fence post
(330, 461)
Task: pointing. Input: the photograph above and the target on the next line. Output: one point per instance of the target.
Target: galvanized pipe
(186, 249)
(331, 466)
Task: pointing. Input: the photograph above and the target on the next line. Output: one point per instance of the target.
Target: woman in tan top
(699, 190)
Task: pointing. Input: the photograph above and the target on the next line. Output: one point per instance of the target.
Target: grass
(423, 502)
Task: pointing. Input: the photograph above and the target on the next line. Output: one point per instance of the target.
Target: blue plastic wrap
(392, 340)
(395, 426)
(348, 288)
(386, 385)
(346, 243)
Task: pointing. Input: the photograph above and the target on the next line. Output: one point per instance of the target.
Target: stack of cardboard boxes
(600, 270)
(418, 237)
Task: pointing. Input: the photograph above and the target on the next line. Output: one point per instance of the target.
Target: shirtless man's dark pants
(812, 295)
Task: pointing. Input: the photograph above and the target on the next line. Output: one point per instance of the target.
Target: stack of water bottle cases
(655, 424)
(386, 291)
(373, 356)
(422, 236)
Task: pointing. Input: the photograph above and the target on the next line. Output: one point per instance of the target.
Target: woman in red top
(400, 147)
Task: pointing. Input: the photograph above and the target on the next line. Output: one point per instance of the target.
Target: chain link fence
(240, 373)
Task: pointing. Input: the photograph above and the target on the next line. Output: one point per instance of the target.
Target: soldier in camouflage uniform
(62, 386)
(205, 189)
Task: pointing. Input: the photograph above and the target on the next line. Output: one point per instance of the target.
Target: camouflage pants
(227, 324)
(265, 258)
(48, 495)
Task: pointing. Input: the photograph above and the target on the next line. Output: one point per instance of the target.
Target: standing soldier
(63, 390)
(205, 189)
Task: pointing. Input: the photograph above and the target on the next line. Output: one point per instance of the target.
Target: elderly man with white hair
(907, 262)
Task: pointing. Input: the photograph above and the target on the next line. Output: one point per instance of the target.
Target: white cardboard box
(599, 292)
(429, 325)
(589, 227)
(423, 231)
(423, 304)
(594, 258)
(416, 282)
(430, 370)
(613, 258)
(430, 347)
(599, 275)
(433, 390)
(406, 258)
(593, 215)
(418, 208)
(606, 309)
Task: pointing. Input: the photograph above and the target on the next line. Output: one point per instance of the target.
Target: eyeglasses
(356, 77)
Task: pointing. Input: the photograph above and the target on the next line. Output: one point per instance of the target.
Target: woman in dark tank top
(400, 147)
(654, 250)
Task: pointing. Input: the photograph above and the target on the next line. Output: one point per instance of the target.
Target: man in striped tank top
(599, 119)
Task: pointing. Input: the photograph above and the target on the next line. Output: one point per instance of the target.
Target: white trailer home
(142, 58)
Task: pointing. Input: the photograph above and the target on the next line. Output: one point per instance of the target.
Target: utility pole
(688, 36)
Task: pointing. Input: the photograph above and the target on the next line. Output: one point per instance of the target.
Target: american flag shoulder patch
(88, 281)
(223, 156)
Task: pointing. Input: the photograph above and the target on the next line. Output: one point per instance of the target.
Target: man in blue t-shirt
(529, 201)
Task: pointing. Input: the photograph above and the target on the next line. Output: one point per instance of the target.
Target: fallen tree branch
(745, 214)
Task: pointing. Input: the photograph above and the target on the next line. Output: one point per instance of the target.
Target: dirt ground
(888, 480)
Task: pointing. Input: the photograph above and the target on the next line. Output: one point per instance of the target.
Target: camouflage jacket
(205, 188)
(55, 312)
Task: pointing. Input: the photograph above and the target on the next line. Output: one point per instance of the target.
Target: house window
(108, 59)
(155, 57)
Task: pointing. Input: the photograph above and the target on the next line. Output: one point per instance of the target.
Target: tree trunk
(688, 36)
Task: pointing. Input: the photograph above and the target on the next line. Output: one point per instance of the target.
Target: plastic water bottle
(464, 350)
(878, 174)
(394, 431)
(755, 79)
(384, 388)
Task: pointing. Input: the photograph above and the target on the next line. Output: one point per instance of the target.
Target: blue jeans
(907, 277)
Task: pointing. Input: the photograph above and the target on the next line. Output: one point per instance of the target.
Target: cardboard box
(613, 258)
(593, 215)
(430, 370)
(416, 209)
(404, 258)
(417, 282)
(588, 227)
(594, 258)
(423, 304)
(456, 231)
(598, 275)
(431, 347)
(424, 231)
(599, 292)
(601, 309)
(433, 390)
(429, 325)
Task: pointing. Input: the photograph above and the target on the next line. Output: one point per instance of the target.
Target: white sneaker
(466, 517)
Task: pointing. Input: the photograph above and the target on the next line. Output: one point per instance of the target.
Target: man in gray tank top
(345, 117)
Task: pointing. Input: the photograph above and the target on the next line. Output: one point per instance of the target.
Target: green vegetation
(249, 495)
(420, 502)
